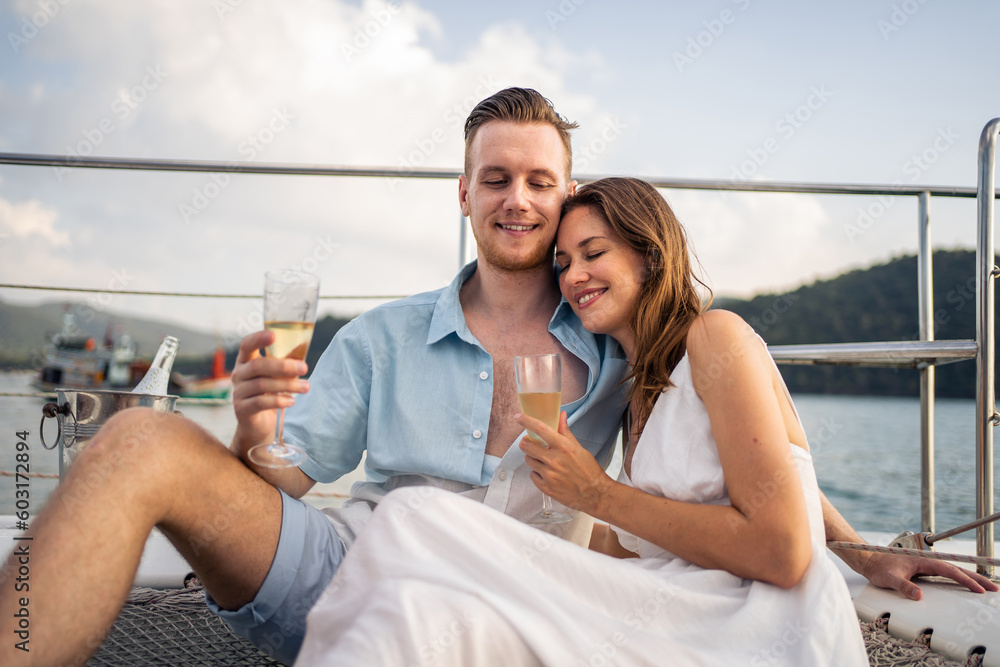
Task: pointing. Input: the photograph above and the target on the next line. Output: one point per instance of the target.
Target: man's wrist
(241, 445)
(862, 563)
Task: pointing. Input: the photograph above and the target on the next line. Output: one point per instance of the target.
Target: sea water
(866, 452)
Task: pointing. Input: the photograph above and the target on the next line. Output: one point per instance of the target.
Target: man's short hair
(517, 105)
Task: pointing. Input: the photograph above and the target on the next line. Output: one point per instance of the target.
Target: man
(423, 386)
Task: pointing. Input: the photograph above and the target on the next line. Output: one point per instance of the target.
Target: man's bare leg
(144, 469)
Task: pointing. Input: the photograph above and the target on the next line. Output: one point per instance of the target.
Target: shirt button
(477, 433)
(503, 475)
(484, 375)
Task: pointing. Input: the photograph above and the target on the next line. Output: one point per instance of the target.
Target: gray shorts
(309, 552)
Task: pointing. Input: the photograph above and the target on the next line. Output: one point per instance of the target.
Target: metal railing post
(925, 295)
(985, 330)
(463, 241)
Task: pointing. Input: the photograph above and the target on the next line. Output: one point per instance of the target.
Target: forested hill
(874, 304)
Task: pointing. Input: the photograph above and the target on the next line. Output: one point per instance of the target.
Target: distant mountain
(874, 304)
(26, 330)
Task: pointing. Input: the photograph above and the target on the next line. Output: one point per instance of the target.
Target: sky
(873, 91)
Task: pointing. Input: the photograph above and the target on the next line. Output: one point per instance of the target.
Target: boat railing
(986, 273)
(923, 354)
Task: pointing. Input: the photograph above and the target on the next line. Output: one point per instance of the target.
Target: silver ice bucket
(81, 413)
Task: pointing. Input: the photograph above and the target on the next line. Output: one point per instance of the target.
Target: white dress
(436, 579)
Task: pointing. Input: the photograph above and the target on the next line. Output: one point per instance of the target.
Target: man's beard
(542, 255)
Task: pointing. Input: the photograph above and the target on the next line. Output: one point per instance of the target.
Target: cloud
(30, 218)
(341, 83)
(761, 241)
(301, 81)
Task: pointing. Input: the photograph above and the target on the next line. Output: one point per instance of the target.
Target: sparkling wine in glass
(290, 299)
(539, 389)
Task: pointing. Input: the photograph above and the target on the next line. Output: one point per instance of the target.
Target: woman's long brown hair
(668, 302)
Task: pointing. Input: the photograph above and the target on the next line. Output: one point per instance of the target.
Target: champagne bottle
(157, 378)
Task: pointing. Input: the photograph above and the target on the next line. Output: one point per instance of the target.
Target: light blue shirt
(408, 382)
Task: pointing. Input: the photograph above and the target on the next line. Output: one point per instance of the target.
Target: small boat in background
(75, 360)
(218, 384)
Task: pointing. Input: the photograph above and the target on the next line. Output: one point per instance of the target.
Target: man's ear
(463, 194)
(571, 188)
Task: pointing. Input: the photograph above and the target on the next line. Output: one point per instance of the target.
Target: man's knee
(140, 450)
(134, 423)
(142, 436)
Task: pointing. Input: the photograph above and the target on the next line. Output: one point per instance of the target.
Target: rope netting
(175, 628)
(884, 650)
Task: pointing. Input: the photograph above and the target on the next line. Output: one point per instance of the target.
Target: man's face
(514, 193)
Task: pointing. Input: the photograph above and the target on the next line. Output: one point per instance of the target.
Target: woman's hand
(562, 469)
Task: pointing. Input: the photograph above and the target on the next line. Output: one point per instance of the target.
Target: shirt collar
(448, 317)
(569, 330)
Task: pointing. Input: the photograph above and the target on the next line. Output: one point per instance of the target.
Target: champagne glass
(539, 389)
(290, 299)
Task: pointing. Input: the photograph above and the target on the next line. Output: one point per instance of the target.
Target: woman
(626, 273)
(717, 498)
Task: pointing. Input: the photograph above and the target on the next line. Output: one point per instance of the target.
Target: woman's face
(601, 275)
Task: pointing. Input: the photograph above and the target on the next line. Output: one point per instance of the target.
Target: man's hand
(257, 382)
(896, 572)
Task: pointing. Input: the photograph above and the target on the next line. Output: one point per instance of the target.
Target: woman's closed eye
(589, 257)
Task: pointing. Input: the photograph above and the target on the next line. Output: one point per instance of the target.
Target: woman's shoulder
(717, 332)
(718, 343)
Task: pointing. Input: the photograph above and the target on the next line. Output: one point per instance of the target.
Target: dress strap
(781, 380)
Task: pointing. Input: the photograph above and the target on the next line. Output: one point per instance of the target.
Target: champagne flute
(290, 299)
(539, 389)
